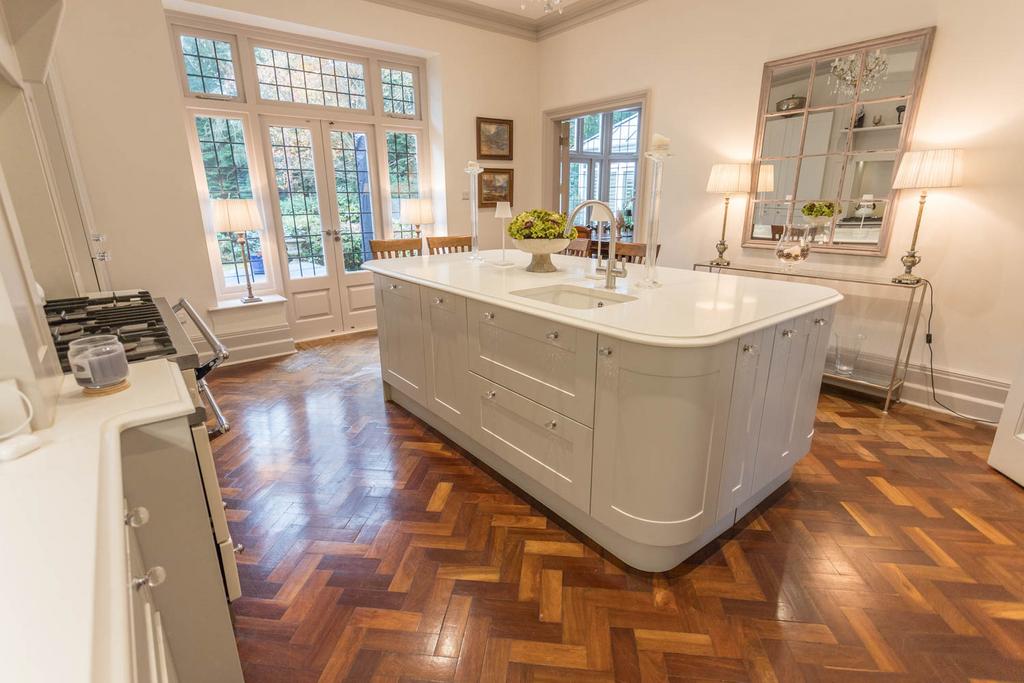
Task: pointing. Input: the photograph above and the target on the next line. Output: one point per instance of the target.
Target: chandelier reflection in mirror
(549, 5)
(843, 74)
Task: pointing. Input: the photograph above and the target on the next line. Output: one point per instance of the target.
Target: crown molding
(499, 21)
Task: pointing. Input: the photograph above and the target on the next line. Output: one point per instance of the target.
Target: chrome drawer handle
(152, 578)
(788, 333)
(488, 316)
(490, 394)
(551, 425)
(552, 335)
(750, 349)
(438, 301)
(238, 548)
(394, 286)
(605, 350)
(137, 517)
(820, 322)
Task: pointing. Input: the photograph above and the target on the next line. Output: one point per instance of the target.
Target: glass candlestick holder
(657, 157)
(473, 170)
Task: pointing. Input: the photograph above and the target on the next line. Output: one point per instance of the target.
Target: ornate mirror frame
(845, 151)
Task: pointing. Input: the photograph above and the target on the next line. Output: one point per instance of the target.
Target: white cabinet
(444, 330)
(555, 451)
(660, 430)
(750, 381)
(400, 335)
(550, 363)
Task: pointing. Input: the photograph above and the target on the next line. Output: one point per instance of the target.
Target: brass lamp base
(250, 299)
(909, 260)
(720, 260)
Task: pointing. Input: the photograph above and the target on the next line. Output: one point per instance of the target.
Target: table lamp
(924, 170)
(727, 179)
(239, 216)
(503, 210)
(416, 212)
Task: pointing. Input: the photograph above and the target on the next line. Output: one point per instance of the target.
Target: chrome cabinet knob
(820, 322)
(137, 517)
(551, 424)
(98, 237)
(751, 349)
(438, 301)
(102, 256)
(394, 286)
(488, 316)
(238, 548)
(788, 333)
(552, 335)
(605, 350)
(152, 578)
(490, 394)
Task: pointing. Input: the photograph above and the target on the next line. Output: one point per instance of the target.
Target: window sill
(228, 304)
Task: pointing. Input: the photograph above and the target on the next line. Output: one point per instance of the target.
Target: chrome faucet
(603, 212)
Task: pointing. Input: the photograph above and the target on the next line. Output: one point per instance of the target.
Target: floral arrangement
(538, 224)
(819, 209)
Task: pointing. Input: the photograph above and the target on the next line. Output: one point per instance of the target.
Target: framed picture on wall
(495, 186)
(494, 139)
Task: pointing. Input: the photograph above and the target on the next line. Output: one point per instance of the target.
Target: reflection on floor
(375, 548)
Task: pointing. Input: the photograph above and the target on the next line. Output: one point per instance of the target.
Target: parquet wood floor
(377, 551)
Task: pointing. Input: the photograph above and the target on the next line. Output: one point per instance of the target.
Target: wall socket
(465, 195)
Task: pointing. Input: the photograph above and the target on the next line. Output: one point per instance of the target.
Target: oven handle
(220, 352)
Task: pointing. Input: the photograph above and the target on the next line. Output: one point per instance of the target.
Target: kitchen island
(649, 419)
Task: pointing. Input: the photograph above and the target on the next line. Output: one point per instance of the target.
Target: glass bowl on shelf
(795, 244)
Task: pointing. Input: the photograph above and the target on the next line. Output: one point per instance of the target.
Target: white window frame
(551, 151)
(257, 180)
(418, 94)
(178, 32)
(251, 109)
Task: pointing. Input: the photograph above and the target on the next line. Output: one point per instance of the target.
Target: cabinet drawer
(553, 450)
(399, 288)
(550, 363)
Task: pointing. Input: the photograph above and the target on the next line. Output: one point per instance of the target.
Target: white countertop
(63, 573)
(689, 309)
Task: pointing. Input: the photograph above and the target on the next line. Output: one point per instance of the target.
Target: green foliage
(538, 224)
(819, 209)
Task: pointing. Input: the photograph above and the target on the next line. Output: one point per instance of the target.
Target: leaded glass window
(399, 91)
(404, 177)
(226, 166)
(209, 67)
(291, 149)
(285, 76)
(349, 152)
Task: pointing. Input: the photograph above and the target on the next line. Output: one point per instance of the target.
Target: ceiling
(507, 16)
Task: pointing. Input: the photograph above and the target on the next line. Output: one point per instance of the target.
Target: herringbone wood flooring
(377, 550)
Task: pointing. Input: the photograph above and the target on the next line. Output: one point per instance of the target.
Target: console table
(890, 382)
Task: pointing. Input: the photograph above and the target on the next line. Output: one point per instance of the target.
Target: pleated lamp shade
(236, 215)
(929, 168)
(735, 178)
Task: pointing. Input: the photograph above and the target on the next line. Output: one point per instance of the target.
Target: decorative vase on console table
(540, 233)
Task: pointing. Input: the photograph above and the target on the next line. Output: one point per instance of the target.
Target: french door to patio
(327, 210)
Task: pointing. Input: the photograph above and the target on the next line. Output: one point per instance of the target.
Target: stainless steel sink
(574, 296)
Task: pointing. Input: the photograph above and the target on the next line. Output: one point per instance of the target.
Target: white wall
(703, 61)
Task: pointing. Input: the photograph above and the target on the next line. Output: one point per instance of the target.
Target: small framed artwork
(495, 186)
(494, 139)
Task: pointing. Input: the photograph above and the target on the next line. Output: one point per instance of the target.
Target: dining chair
(449, 245)
(632, 252)
(578, 247)
(396, 248)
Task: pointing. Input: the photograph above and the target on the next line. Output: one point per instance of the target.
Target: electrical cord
(31, 412)
(931, 357)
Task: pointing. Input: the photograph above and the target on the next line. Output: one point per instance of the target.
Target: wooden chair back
(449, 245)
(582, 231)
(396, 248)
(578, 247)
(632, 252)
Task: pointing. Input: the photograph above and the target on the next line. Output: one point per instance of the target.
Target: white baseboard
(245, 347)
(978, 397)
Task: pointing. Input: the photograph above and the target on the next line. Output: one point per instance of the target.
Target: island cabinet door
(659, 439)
(786, 378)
(551, 363)
(444, 329)
(810, 384)
(551, 449)
(401, 336)
(753, 358)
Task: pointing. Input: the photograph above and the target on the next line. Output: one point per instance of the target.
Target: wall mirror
(831, 126)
